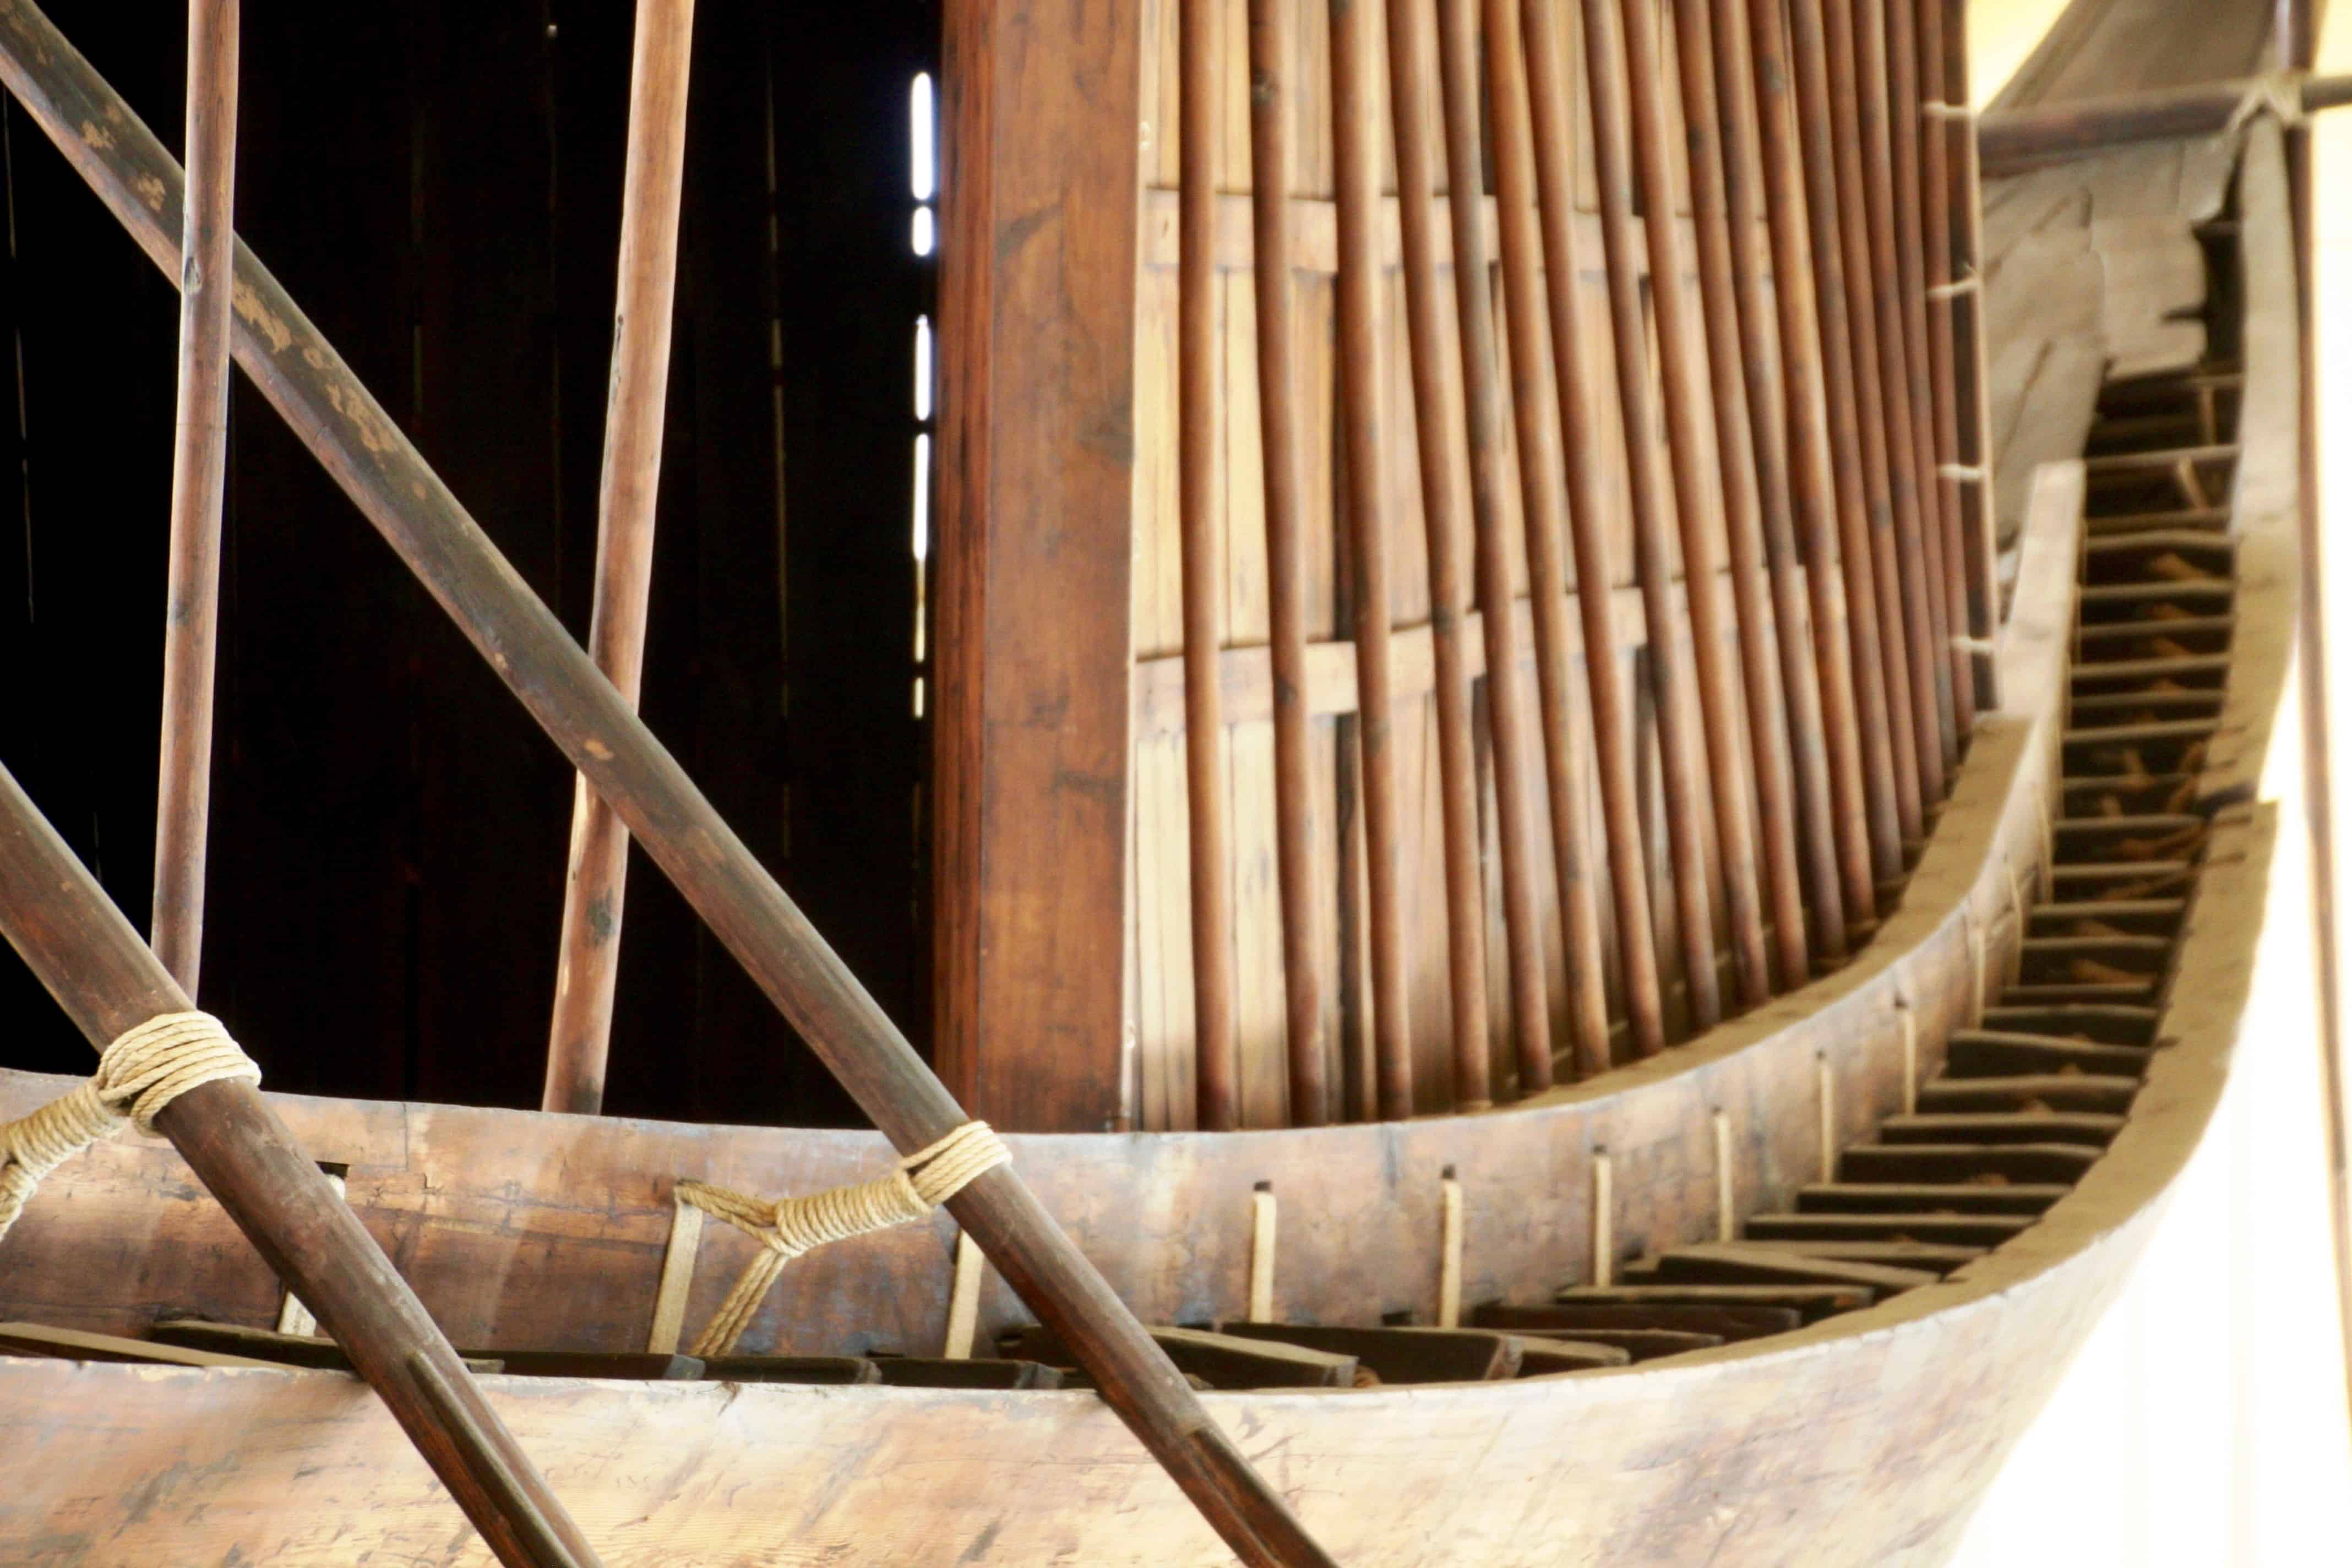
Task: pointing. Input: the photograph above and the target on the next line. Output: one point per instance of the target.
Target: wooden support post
(199, 463)
(1031, 618)
(1941, 306)
(108, 981)
(1582, 438)
(1202, 540)
(1534, 375)
(307, 383)
(588, 961)
(1739, 367)
(1726, 764)
(1355, 155)
(1971, 373)
(1271, 84)
(1679, 749)
(1457, 63)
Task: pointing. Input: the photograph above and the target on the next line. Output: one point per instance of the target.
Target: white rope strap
(1936, 109)
(2278, 94)
(1966, 473)
(144, 1070)
(1984, 646)
(1953, 291)
(787, 1227)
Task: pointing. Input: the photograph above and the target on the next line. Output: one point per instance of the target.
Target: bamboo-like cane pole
(199, 465)
(1535, 423)
(1726, 764)
(1801, 56)
(1271, 69)
(1457, 770)
(580, 1034)
(1202, 545)
(1822, 742)
(1583, 438)
(311, 386)
(1971, 378)
(1355, 155)
(1679, 749)
(1923, 657)
(108, 981)
(1457, 28)
(1737, 365)
(1940, 309)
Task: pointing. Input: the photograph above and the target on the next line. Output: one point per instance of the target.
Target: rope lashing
(144, 1070)
(1936, 109)
(1965, 473)
(1969, 285)
(2278, 94)
(787, 1227)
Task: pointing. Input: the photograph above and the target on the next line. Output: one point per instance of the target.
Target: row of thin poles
(1825, 380)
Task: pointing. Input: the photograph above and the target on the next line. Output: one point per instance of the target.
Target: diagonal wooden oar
(109, 981)
(309, 385)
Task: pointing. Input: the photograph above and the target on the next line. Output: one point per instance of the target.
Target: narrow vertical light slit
(923, 235)
(922, 369)
(922, 139)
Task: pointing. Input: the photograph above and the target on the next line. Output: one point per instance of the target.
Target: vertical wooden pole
(1972, 387)
(1583, 438)
(1271, 69)
(1409, 72)
(1735, 364)
(1355, 147)
(1679, 749)
(1201, 538)
(1940, 307)
(1534, 375)
(199, 463)
(1861, 50)
(1861, 504)
(589, 960)
(1457, 26)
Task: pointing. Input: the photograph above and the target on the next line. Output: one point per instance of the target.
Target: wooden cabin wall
(1159, 955)
(439, 184)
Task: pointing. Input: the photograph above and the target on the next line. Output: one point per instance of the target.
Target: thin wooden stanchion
(1826, 1088)
(1686, 796)
(1738, 366)
(1727, 1212)
(1582, 446)
(367, 454)
(1355, 164)
(1263, 1219)
(1728, 773)
(1216, 1069)
(1604, 1220)
(1940, 307)
(1457, 52)
(1271, 85)
(1800, 56)
(199, 465)
(588, 961)
(1971, 377)
(1757, 92)
(1863, 23)
(1450, 1240)
(1457, 774)
(963, 1299)
(79, 946)
(1533, 378)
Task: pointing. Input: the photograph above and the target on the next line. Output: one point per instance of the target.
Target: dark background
(438, 184)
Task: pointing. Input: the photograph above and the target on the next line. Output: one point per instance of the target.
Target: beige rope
(787, 1227)
(1936, 109)
(144, 1070)
(1969, 285)
(1965, 473)
(2278, 94)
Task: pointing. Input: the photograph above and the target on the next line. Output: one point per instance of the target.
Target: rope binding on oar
(2279, 94)
(787, 1227)
(146, 1069)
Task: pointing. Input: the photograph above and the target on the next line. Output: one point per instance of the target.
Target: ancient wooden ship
(1684, 1102)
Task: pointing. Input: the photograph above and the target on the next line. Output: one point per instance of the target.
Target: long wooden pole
(1355, 156)
(1971, 372)
(1535, 422)
(199, 465)
(1940, 309)
(1457, 27)
(347, 430)
(1583, 446)
(1441, 482)
(1271, 72)
(595, 882)
(1686, 797)
(1851, 377)
(1737, 366)
(2014, 139)
(1201, 535)
(108, 981)
(1865, 811)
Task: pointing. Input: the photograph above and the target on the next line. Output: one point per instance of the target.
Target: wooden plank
(78, 1344)
(1733, 1263)
(1225, 1360)
(1402, 1354)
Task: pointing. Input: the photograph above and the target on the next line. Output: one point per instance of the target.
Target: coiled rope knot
(144, 1070)
(787, 1227)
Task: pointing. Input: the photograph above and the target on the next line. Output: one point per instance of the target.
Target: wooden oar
(109, 982)
(595, 881)
(311, 386)
(199, 459)
(2013, 139)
